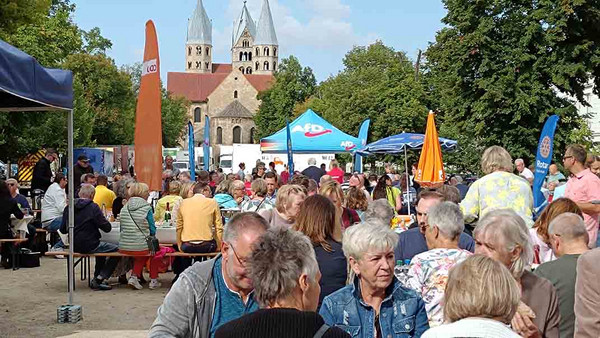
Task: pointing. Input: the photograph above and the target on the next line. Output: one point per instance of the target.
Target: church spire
(199, 27)
(244, 21)
(265, 31)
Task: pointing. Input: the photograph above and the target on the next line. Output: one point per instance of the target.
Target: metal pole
(71, 204)
(407, 178)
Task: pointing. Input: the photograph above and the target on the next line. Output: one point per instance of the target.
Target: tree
(17, 13)
(174, 119)
(496, 72)
(293, 84)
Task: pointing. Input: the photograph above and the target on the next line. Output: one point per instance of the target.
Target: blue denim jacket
(402, 312)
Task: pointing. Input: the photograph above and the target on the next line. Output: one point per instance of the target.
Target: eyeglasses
(567, 157)
(242, 262)
(11, 184)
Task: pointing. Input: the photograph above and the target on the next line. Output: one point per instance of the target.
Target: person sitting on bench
(53, 205)
(89, 220)
(8, 206)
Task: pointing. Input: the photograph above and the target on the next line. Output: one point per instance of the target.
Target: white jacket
(53, 203)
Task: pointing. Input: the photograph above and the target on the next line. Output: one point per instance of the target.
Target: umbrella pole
(407, 178)
(71, 205)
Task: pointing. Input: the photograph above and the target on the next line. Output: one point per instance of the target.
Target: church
(227, 93)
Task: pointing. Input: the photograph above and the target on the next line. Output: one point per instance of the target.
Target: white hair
(381, 210)
(87, 191)
(447, 217)
(519, 160)
(371, 234)
(312, 161)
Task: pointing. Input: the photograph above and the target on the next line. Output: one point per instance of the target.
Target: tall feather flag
(362, 136)
(206, 143)
(290, 152)
(542, 161)
(148, 128)
(192, 151)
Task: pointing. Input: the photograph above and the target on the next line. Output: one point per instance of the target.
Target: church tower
(242, 40)
(265, 43)
(198, 48)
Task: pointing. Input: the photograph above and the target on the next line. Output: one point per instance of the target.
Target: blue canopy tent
(311, 134)
(27, 86)
(400, 143)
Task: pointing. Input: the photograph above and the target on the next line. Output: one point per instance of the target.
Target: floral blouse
(428, 275)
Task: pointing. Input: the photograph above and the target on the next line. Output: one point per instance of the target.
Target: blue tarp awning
(395, 144)
(310, 134)
(26, 85)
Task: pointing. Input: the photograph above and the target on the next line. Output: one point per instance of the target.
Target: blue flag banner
(191, 150)
(543, 159)
(362, 136)
(290, 152)
(206, 143)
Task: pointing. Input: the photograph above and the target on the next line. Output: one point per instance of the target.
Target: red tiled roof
(194, 86)
(222, 68)
(260, 82)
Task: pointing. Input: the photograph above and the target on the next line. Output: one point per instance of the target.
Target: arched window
(250, 56)
(198, 64)
(190, 65)
(266, 51)
(237, 134)
(189, 50)
(252, 131)
(235, 95)
(249, 70)
(257, 51)
(207, 51)
(257, 65)
(274, 51)
(198, 50)
(241, 56)
(245, 43)
(242, 69)
(207, 65)
(266, 65)
(274, 66)
(197, 115)
(219, 135)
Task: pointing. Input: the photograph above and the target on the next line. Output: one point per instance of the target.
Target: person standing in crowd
(286, 284)
(260, 171)
(595, 166)
(412, 241)
(316, 220)
(79, 169)
(53, 205)
(169, 166)
(42, 174)
(502, 235)
(480, 300)
(272, 168)
(374, 304)
(184, 177)
(457, 181)
(583, 187)
(137, 223)
(385, 190)
(287, 206)
(498, 189)
(214, 292)
(271, 180)
(240, 173)
(198, 216)
(569, 241)
(357, 201)
(259, 199)
(104, 196)
(285, 175)
(523, 170)
(333, 191)
(167, 201)
(336, 173)
(313, 188)
(587, 295)
(540, 237)
(428, 271)
(554, 175)
(88, 222)
(8, 207)
(222, 196)
(379, 210)
(312, 171)
(300, 180)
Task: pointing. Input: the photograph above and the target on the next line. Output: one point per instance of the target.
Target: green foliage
(496, 69)
(174, 119)
(16, 13)
(293, 84)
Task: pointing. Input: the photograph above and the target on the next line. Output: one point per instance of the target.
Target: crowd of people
(315, 252)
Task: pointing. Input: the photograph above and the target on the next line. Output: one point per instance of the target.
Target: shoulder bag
(151, 240)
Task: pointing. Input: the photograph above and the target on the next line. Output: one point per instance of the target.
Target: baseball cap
(83, 158)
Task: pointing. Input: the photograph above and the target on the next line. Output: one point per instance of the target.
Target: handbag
(151, 240)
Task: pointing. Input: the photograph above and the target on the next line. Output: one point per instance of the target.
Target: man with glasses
(412, 241)
(583, 187)
(42, 174)
(214, 292)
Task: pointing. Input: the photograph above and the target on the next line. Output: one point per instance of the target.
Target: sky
(318, 32)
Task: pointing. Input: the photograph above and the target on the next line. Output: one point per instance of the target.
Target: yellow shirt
(199, 220)
(104, 196)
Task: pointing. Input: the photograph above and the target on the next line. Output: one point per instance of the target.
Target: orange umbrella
(431, 172)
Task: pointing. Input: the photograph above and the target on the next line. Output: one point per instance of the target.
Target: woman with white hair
(498, 189)
(503, 236)
(286, 277)
(374, 304)
(287, 205)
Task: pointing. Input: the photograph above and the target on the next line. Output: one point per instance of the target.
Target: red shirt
(337, 174)
(247, 185)
(285, 176)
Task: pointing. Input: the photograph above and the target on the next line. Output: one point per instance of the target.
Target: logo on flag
(149, 67)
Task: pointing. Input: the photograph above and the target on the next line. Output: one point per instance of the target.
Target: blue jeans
(54, 226)
(104, 268)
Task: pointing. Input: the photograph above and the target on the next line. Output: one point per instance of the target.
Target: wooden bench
(85, 259)
(14, 250)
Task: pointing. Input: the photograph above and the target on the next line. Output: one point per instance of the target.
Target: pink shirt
(585, 187)
(337, 174)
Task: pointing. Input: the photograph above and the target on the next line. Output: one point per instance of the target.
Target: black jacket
(8, 206)
(313, 172)
(89, 220)
(42, 175)
(78, 171)
(288, 323)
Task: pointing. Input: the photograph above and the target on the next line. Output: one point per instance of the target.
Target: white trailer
(249, 153)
